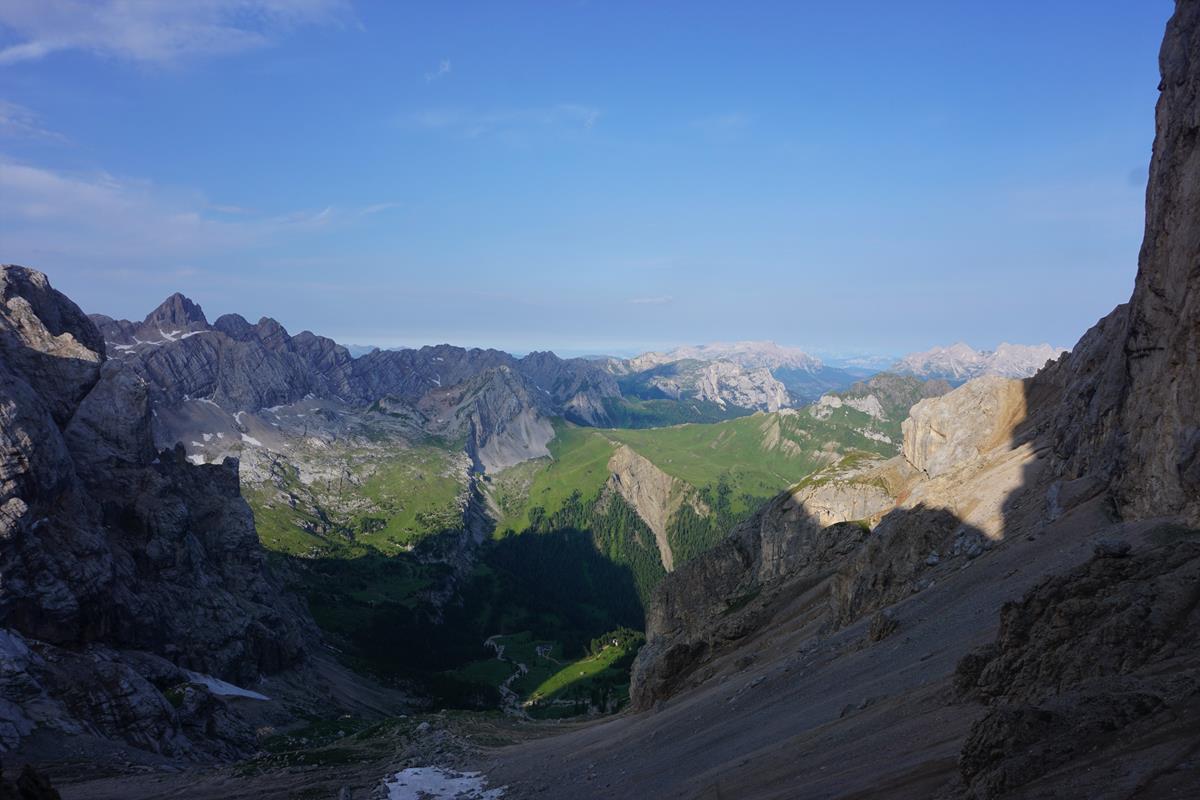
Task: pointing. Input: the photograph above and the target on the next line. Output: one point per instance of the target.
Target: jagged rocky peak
(245, 367)
(235, 326)
(177, 313)
(175, 318)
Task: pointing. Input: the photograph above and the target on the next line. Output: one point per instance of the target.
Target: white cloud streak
(477, 124)
(154, 31)
(103, 216)
(660, 300)
(443, 69)
(17, 121)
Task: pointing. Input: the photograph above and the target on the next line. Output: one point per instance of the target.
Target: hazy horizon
(615, 178)
(830, 352)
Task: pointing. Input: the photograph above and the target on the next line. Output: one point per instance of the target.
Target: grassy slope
(552, 679)
(763, 454)
(578, 462)
(414, 492)
(577, 678)
(759, 455)
(632, 412)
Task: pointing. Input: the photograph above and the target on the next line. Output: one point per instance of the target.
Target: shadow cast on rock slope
(1022, 624)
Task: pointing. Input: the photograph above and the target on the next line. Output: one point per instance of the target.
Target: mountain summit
(177, 312)
(960, 362)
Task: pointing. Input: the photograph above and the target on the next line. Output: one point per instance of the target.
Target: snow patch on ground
(251, 440)
(221, 688)
(197, 458)
(433, 783)
(207, 437)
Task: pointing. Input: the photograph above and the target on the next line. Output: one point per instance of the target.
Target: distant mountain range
(762, 374)
(750, 354)
(960, 362)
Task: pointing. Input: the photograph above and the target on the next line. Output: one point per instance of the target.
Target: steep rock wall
(109, 547)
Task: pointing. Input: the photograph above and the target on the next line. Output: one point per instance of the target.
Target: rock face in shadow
(1130, 406)
(728, 592)
(110, 547)
(892, 563)
(29, 785)
(1103, 659)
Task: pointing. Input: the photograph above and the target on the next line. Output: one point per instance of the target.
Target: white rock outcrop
(944, 432)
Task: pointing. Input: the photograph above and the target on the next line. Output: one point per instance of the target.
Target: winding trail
(510, 699)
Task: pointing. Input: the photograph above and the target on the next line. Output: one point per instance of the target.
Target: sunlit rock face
(945, 432)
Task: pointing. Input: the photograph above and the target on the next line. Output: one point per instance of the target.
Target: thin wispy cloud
(17, 121)
(376, 208)
(443, 69)
(106, 216)
(471, 124)
(724, 126)
(660, 300)
(155, 32)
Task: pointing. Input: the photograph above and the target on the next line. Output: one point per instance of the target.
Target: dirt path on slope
(510, 699)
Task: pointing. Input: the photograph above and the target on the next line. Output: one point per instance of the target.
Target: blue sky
(591, 175)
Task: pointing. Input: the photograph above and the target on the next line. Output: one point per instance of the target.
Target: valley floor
(327, 765)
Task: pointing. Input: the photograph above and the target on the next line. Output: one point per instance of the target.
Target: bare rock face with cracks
(126, 570)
